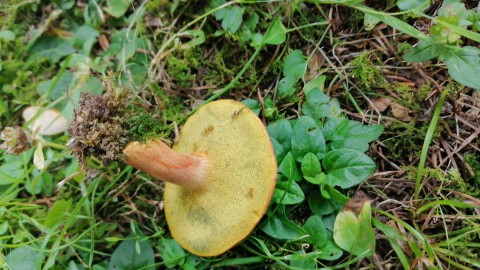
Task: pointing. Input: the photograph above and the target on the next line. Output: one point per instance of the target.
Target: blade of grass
(451, 203)
(392, 236)
(427, 141)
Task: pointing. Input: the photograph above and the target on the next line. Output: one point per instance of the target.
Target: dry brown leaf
(400, 112)
(381, 104)
(48, 122)
(313, 66)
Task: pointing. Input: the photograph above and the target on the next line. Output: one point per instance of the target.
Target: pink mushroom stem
(160, 161)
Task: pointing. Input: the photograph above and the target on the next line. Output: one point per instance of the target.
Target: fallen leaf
(48, 122)
(381, 104)
(400, 112)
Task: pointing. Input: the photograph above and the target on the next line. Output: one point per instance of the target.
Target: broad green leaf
(422, 52)
(57, 87)
(316, 230)
(287, 192)
(295, 65)
(22, 258)
(11, 172)
(355, 233)
(285, 87)
(307, 138)
(347, 167)
(336, 129)
(317, 83)
(280, 227)
(369, 21)
(464, 66)
(281, 130)
(319, 179)
(330, 252)
(85, 38)
(172, 253)
(319, 106)
(232, 19)
(7, 35)
(412, 4)
(123, 45)
(279, 150)
(197, 38)
(321, 206)
(51, 48)
(289, 168)
(219, 14)
(310, 165)
(276, 34)
(302, 260)
(117, 8)
(58, 213)
(253, 105)
(3, 227)
(358, 136)
(127, 257)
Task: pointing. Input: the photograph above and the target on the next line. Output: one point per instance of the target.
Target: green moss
(364, 70)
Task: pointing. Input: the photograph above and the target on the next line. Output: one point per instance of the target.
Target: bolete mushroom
(220, 176)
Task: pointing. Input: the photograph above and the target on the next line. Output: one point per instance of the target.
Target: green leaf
(355, 233)
(395, 23)
(117, 8)
(126, 257)
(319, 179)
(282, 131)
(253, 105)
(289, 169)
(317, 83)
(285, 87)
(321, 206)
(58, 213)
(280, 227)
(464, 66)
(307, 138)
(3, 227)
(347, 167)
(330, 252)
(335, 129)
(57, 87)
(295, 65)
(172, 254)
(412, 4)
(369, 21)
(422, 52)
(85, 38)
(319, 106)
(51, 48)
(276, 34)
(7, 35)
(22, 258)
(287, 192)
(359, 136)
(302, 260)
(11, 172)
(232, 19)
(311, 165)
(279, 150)
(316, 230)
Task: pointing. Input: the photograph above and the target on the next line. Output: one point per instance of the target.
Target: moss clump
(364, 69)
(104, 124)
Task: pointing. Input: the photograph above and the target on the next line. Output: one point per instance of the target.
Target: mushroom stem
(160, 161)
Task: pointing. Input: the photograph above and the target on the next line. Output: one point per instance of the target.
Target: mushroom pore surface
(240, 180)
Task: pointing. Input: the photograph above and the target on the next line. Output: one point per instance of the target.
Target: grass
(173, 56)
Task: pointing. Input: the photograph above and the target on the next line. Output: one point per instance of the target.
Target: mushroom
(49, 121)
(220, 176)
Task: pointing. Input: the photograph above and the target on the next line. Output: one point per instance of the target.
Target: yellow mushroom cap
(241, 177)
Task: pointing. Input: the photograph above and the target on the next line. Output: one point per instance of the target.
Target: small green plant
(318, 153)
